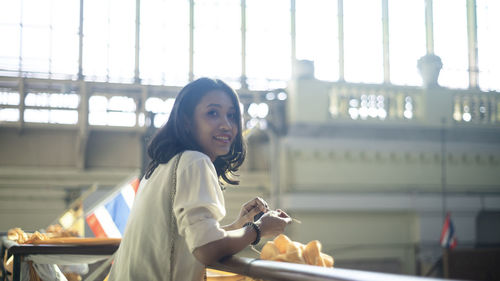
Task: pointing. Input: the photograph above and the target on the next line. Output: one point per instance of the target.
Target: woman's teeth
(222, 138)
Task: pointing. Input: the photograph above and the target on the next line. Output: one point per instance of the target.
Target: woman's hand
(270, 224)
(248, 211)
(273, 223)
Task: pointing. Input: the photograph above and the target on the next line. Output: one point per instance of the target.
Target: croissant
(285, 250)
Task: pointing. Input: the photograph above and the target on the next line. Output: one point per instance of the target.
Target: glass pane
(9, 114)
(406, 40)
(122, 40)
(64, 100)
(109, 32)
(121, 103)
(10, 98)
(164, 49)
(98, 104)
(63, 116)
(36, 49)
(217, 39)
(9, 53)
(123, 119)
(36, 12)
(10, 12)
(268, 43)
(157, 105)
(450, 42)
(488, 40)
(112, 112)
(65, 21)
(36, 115)
(317, 36)
(64, 52)
(66, 14)
(363, 41)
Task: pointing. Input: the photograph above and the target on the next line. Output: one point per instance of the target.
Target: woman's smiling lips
(225, 138)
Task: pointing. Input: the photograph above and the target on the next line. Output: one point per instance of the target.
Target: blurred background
(367, 120)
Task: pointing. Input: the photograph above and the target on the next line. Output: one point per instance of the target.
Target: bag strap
(173, 221)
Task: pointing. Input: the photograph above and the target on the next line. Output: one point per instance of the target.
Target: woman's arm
(235, 241)
(270, 224)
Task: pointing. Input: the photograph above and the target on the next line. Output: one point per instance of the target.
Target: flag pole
(443, 167)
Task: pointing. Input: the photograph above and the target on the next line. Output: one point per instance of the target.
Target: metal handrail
(282, 271)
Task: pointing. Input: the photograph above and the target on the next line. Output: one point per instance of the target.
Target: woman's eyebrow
(218, 105)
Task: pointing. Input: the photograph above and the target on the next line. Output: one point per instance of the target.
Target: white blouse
(144, 252)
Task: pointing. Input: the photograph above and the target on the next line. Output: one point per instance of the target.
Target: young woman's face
(215, 123)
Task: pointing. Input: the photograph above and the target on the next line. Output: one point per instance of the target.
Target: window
(488, 40)
(450, 42)
(109, 40)
(363, 41)
(161, 110)
(406, 40)
(268, 40)
(64, 38)
(164, 42)
(43, 40)
(36, 31)
(217, 40)
(317, 36)
(112, 111)
(9, 102)
(56, 108)
(10, 19)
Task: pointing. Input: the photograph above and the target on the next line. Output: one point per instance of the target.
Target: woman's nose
(225, 124)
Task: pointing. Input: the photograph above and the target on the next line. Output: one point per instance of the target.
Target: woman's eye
(212, 113)
(231, 116)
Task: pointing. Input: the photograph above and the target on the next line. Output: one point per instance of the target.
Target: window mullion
(341, 39)
(385, 40)
(472, 43)
(429, 27)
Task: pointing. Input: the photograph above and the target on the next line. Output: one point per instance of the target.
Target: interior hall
(375, 123)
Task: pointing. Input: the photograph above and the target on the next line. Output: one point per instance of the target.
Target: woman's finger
(282, 214)
(262, 204)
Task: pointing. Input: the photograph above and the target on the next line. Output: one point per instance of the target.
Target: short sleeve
(199, 203)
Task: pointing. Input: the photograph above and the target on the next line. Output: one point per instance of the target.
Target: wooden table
(21, 250)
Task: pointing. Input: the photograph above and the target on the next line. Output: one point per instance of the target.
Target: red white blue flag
(109, 218)
(448, 239)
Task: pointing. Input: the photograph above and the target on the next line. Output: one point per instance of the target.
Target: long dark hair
(173, 138)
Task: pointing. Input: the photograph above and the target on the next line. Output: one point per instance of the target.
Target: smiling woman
(180, 201)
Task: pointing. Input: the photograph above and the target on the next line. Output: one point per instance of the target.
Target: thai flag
(110, 216)
(448, 239)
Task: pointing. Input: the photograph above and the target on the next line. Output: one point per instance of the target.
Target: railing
(255, 268)
(67, 103)
(412, 104)
(476, 107)
(99, 105)
(374, 102)
(281, 271)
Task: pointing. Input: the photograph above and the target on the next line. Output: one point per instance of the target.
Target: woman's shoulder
(192, 156)
(191, 159)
